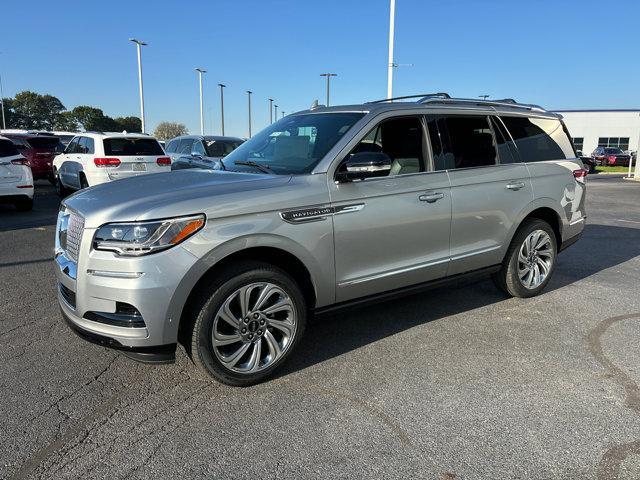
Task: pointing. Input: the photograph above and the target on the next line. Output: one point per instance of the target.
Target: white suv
(16, 180)
(94, 158)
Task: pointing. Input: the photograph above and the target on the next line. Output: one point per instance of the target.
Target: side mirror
(196, 155)
(359, 166)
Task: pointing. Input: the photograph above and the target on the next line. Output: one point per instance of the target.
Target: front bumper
(99, 281)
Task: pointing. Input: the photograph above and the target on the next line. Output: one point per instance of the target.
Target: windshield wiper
(250, 163)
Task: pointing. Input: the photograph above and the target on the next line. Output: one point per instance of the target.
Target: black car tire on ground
(61, 190)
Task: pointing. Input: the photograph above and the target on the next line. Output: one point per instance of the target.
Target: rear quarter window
(7, 149)
(132, 146)
(539, 139)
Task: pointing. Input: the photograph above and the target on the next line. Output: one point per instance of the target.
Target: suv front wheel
(530, 260)
(247, 322)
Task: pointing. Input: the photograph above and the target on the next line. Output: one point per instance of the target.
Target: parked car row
(16, 179)
(610, 156)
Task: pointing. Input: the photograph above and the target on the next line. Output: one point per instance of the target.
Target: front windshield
(610, 151)
(293, 145)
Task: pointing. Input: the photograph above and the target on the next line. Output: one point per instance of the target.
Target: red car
(39, 150)
(611, 156)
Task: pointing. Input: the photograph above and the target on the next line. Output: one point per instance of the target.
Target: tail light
(612, 159)
(20, 161)
(106, 162)
(163, 161)
(580, 175)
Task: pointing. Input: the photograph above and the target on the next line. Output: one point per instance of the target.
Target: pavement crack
(609, 466)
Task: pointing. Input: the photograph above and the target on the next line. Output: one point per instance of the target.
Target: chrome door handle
(515, 186)
(431, 197)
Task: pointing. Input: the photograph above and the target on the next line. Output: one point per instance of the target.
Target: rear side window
(7, 148)
(220, 148)
(539, 139)
(185, 146)
(507, 152)
(171, 146)
(132, 146)
(461, 142)
(86, 145)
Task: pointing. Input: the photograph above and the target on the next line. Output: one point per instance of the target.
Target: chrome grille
(74, 235)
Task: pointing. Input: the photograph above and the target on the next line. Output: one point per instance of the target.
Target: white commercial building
(603, 128)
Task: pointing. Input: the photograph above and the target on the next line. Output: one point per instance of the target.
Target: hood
(163, 195)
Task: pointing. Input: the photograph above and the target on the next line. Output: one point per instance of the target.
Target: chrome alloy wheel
(535, 259)
(254, 327)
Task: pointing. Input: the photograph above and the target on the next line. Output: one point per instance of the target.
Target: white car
(16, 180)
(94, 158)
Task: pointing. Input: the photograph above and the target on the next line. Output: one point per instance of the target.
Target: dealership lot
(459, 382)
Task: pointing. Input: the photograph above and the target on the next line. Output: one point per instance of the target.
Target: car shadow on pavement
(44, 213)
(331, 335)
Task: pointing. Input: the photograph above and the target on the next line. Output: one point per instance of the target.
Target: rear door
(137, 155)
(489, 187)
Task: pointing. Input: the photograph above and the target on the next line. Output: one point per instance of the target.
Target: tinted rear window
(48, 143)
(539, 139)
(7, 148)
(132, 146)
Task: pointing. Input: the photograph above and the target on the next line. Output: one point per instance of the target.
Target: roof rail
(421, 97)
(508, 102)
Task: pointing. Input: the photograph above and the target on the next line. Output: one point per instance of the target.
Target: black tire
(83, 181)
(211, 298)
(507, 277)
(61, 190)
(25, 205)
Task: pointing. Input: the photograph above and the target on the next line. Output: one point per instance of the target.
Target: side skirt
(404, 291)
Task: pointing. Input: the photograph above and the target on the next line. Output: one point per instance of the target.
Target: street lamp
(200, 72)
(270, 110)
(484, 97)
(282, 114)
(139, 45)
(276, 111)
(328, 75)
(249, 92)
(221, 85)
(390, 67)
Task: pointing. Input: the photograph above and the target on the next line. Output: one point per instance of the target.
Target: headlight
(141, 238)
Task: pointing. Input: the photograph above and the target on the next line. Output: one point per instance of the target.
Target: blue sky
(560, 54)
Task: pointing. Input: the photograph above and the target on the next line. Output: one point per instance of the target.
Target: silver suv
(325, 208)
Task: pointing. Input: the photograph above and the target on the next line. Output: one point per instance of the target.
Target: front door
(391, 232)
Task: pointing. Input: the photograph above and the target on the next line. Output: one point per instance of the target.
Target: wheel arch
(543, 209)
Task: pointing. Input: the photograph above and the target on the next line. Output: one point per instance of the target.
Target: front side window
(294, 144)
(460, 141)
(184, 148)
(539, 139)
(132, 146)
(198, 148)
(73, 146)
(401, 140)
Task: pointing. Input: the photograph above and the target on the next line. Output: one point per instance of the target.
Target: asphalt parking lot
(456, 383)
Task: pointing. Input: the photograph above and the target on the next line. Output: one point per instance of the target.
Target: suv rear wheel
(61, 190)
(247, 322)
(530, 260)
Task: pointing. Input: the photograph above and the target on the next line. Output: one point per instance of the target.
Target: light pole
(282, 114)
(139, 45)
(249, 92)
(222, 85)
(328, 75)
(392, 16)
(4, 124)
(276, 112)
(200, 72)
(484, 97)
(270, 111)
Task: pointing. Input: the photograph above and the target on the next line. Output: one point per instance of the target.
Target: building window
(621, 142)
(578, 142)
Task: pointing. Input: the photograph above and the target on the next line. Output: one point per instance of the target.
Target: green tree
(130, 124)
(91, 118)
(32, 111)
(67, 122)
(169, 130)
